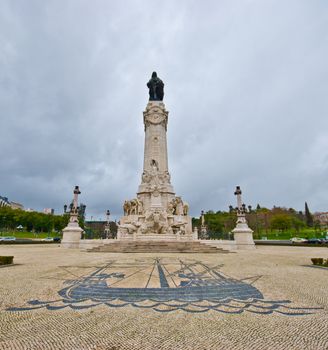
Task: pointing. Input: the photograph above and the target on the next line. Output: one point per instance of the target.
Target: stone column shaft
(155, 120)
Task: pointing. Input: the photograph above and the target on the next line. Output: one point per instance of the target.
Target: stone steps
(156, 247)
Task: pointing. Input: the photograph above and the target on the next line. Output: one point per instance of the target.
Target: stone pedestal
(71, 236)
(195, 234)
(243, 237)
(157, 213)
(203, 232)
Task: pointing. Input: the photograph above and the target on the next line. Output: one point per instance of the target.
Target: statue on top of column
(156, 88)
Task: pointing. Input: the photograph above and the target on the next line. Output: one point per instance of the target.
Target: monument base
(159, 227)
(98, 244)
(243, 236)
(220, 243)
(71, 236)
(192, 247)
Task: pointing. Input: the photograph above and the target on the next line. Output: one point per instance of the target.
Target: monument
(243, 235)
(156, 213)
(72, 232)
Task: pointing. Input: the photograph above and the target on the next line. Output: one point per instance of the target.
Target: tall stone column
(243, 235)
(157, 213)
(155, 122)
(155, 189)
(72, 232)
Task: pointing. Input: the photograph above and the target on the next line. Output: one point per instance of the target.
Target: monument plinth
(72, 232)
(157, 213)
(243, 235)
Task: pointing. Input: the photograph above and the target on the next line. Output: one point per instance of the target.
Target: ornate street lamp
(107, 226)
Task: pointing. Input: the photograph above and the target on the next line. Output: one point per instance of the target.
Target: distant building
(30, 210)
(322, 217)
(4, 202)
(49, 211)
(15, 205)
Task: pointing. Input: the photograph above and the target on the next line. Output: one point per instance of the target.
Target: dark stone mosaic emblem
(164, 285)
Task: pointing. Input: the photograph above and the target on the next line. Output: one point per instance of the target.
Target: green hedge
(6, 260)
(319, 261)
(26, 242)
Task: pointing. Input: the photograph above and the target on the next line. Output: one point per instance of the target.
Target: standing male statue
(156, 88)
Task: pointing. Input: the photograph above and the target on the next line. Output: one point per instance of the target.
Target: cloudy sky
(246, 84)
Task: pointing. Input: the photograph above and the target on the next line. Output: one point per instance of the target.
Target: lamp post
(243, 235)
(107, 226)
(72, 232)
(203, 229)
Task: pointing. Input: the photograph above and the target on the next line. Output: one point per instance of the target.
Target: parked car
(314, 241)
(298, 240)
(57, 239)
(8, 239)
(48, 239)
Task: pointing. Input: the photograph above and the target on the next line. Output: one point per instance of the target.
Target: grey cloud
(245, 84)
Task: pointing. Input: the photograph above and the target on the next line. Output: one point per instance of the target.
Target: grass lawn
(25, 234)
(305, 233)
(274, 235)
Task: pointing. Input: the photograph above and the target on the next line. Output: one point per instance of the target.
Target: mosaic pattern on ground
(164, 285)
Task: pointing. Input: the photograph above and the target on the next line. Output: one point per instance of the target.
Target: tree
(281, 222)
(31, 221)
(308, 216)
(297, 224)
(317, 225)
(213, 222)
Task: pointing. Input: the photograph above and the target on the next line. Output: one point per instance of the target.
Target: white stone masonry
(157, 213)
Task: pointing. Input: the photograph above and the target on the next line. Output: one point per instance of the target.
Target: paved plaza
(270, 298)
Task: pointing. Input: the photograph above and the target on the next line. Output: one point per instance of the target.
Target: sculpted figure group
(177, 207)
(133, 207)
(155, 222)
(156, 178)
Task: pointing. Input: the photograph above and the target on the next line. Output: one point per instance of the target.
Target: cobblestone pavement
(65, 299)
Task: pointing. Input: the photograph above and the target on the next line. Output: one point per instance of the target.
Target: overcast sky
(246, 85)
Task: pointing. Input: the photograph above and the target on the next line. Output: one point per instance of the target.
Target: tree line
(260, 220)
(10, 219)
(219, 223)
